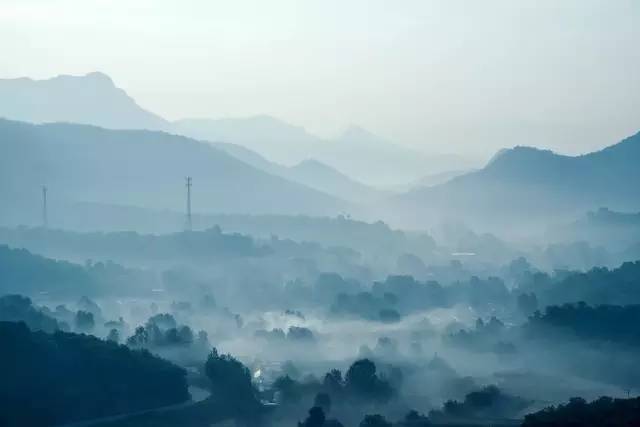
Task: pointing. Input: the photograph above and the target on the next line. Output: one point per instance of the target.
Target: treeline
(580, 322)
(611, 323)
(18, 308)
(603, 412)
(338, 231)
(129, 244)
(361, 384)
(162, 330)
(597, 286)
(479, 407)
(26, 273)
(50, 379)
(397, 296)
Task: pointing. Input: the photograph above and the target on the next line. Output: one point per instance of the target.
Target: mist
(319, 214)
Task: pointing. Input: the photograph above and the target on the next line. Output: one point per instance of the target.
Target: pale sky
(443, 76)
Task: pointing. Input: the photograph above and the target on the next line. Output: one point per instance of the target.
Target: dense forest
(57, 378)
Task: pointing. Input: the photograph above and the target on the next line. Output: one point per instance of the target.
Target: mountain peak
(92, 99)
(101, 77)
(520, 153)
(357, 134)
(313, 164)
(94, 78)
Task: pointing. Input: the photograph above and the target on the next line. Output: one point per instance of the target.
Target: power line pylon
(188, 224)
(45, 219)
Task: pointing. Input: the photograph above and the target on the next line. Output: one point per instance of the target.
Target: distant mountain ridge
(95, 99)
(273, 139)
(90, 99)
(138, 168)
(311, 173)
(356, 152)
(533, 184)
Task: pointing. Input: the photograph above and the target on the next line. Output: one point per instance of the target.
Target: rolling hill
(310, 173)
(139, 168)
(94, 99)
(271, 138)
(357, 153)
(526, 185)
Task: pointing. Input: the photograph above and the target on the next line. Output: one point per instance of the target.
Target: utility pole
(45, 219)
(188, 224)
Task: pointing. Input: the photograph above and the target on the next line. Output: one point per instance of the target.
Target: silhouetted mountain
(274, 139)
(357, 153)
(538, 185)
(91, 99)
(435, 179)
(95, 100)
(371, 159)
(311, 173)
(137, 168)
(317, 175)
(618, 232)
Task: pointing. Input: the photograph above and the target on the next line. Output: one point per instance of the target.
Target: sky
(448, 76)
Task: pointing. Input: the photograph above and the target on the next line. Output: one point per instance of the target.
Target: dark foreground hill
(50, 379)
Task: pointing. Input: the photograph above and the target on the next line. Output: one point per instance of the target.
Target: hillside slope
(139, 168)
(310, 173)
(533, 185)
(90, 99)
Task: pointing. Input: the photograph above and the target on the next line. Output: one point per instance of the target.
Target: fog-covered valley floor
(467, 331)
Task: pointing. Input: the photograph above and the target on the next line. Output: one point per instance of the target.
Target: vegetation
(231, 381)
(597, 286)
(25, 273)
(58, 378)
(612, 323)
(485, 404)
(603, 412)
(18, 308)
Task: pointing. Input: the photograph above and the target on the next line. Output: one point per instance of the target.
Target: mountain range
(519, 187)
(311, 173)
(83, 163)
(94, 99)
(356, 152)
(526, 185)
(91, 99)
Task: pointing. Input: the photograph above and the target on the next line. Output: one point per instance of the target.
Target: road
(197, 395)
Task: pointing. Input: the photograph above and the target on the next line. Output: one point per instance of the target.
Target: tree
(323, 400)
(80, 370)
(316, 418)
(299, 333)
(140, 337)
(84, 321)
(361, 380)
(375, 420)
(230, 380)
(361, 375)
(113, 336)
(414, 419)
(602, 412)
(18, 308)
(287, 388)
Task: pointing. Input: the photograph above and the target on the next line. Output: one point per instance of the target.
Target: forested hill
(83, 378)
